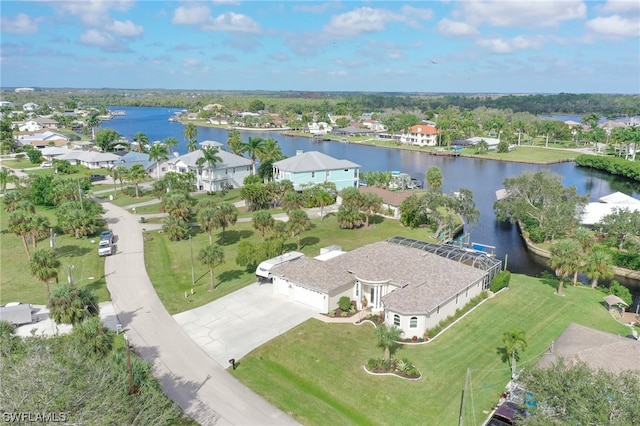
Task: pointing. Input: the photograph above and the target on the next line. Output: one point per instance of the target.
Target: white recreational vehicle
(263, 272)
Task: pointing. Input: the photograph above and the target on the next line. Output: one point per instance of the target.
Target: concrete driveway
(236, 324)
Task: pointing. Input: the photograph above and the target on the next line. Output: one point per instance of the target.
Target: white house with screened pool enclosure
(413, 283)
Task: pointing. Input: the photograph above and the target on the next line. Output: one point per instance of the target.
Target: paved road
(203, 389)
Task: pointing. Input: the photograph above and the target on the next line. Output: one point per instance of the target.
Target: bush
(500, 281)
(344, 303)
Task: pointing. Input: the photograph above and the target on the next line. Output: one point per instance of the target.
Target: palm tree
(515, 341)
(207, 220)
(598, 266)
(93, 121)
(119, 173)
(388, 338)
(94, 336)
(19, 225)
(7, 175)
(271, 151)
(44, 266)
(434, 178)
(142, 140)
(38, 228)
(298, 223)
(322, 198)
(292, 200)
(482, 147)
(158, 153)
(177, 205)
(564, 260)
(262, 222)
(211, 255)
(234, 142)
(349, 217)
(254, 147)
(210, 158)
(170, 142)
(520, 126)
(370, 204)
(190, 133)
(136, 174)
(225, 215)
(586, 238)
(72, 305)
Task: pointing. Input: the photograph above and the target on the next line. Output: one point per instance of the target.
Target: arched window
(413, 322)
(396, 320)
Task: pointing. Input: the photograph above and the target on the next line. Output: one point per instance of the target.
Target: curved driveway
(204, 390)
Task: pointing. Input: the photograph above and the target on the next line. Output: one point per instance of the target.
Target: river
(483, 177)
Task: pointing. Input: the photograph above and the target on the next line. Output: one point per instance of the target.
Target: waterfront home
(391, 200)
(130, 158)
(593, 213)
(230, 173)
(492, 142)
(313, 167)
(42, 139)
(36, 124)
(420, 135)
(90, 159)
(414, 284)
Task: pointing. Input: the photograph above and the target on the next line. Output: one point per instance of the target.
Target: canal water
(482, 177)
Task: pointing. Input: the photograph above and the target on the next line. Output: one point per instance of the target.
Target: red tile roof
(424, 129)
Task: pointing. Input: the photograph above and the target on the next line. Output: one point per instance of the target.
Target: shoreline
(284, 130)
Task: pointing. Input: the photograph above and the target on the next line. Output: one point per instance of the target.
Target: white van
(263, 272)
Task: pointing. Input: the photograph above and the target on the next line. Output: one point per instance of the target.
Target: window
(413, 322)
(313, 175)
(234, 170)
(355, 173)
(346, 170)
(457, 298)
(438, 310)
(396, 320)
(328, 173)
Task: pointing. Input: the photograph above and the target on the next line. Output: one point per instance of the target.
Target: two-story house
(420, 135)
(314, 167)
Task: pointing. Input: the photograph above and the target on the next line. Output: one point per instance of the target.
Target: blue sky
(502, 46)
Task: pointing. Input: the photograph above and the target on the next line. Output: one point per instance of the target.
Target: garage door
(311, 298)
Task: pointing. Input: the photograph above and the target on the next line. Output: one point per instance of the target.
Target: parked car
(46, 164)
(506, 414)
(107, 236)
(105, 248)
(96, 177)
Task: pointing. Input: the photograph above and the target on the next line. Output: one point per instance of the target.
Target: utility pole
(80, 196)
(193, 277)
(126, 345)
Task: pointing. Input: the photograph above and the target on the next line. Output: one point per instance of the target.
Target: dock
(445, 153)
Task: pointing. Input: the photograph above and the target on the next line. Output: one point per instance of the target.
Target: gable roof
(313, 161)
(599, 350)
(392, 198)
(424, 280)
(424, 129)
(132, 157)
(228, 160)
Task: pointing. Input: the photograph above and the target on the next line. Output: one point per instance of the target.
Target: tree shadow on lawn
(504, 356)
(307, 241)
(231, 236)
(72, 251)
(227, 276)
(551, 281)
(375, 219)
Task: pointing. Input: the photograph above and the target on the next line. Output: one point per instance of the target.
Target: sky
(473, 46)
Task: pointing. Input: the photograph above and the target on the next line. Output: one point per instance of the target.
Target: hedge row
(500, 281)
(614, 165)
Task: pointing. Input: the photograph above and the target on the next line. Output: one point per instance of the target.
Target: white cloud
(615, 26)
(453, 28)
(536, 13)
(191, 15)
(230, 21)
(281, 57)
(97, 38)
(503, 45)
(338, 73)
(620, 6)
(359, 21)
(93, 12)
(125, 29)
(316, 7)
(21, 24)
(417, 13)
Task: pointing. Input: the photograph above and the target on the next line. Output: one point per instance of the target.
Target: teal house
(313, 167)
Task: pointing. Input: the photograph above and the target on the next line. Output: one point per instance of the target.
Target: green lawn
(527, 154)
(169, 263)
(314, 372)
(16, 281)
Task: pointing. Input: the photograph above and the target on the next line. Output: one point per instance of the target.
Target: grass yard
(314, 372)
(527, 154)
(169, 262)
(18, 285)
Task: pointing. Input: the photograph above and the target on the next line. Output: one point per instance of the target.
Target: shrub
(332, 313)
(344, 314)
(500, 281)
(402, 365)
(344, 303)
(373, 364)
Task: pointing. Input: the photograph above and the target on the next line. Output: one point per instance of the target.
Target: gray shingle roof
(313, 161)
(228, 160)
(428, 279)
(596, 348)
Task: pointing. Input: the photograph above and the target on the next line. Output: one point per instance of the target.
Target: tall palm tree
(298, 223)
(158, 153)
(388, 338)
(515, 341)
(482, 147)
(271, 151)
(564, 260)
(94, 336)
(72, 305)
(93, 121)
(190, 133)
(207, 220)
(210, 158)
(234, 142)
(211, 255)
(44, 266)
(170, 142)
(226, 215)
(263, 222)
(586, 238)
(142, 140)
(370, 203)
(19, 225)
(137, 175)
(254, 147)
(598, 266)
(322, 198)
(177, 205)
(39, 227)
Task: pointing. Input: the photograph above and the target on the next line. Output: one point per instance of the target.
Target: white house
(230, 172)
(492, 142)
(420, 135)
(314, 167)
(7, 104)
(415, 284)
(30, 106)
(593, 213)
(39, 123)
(43, 139)
(320, 128)
(90, 159)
